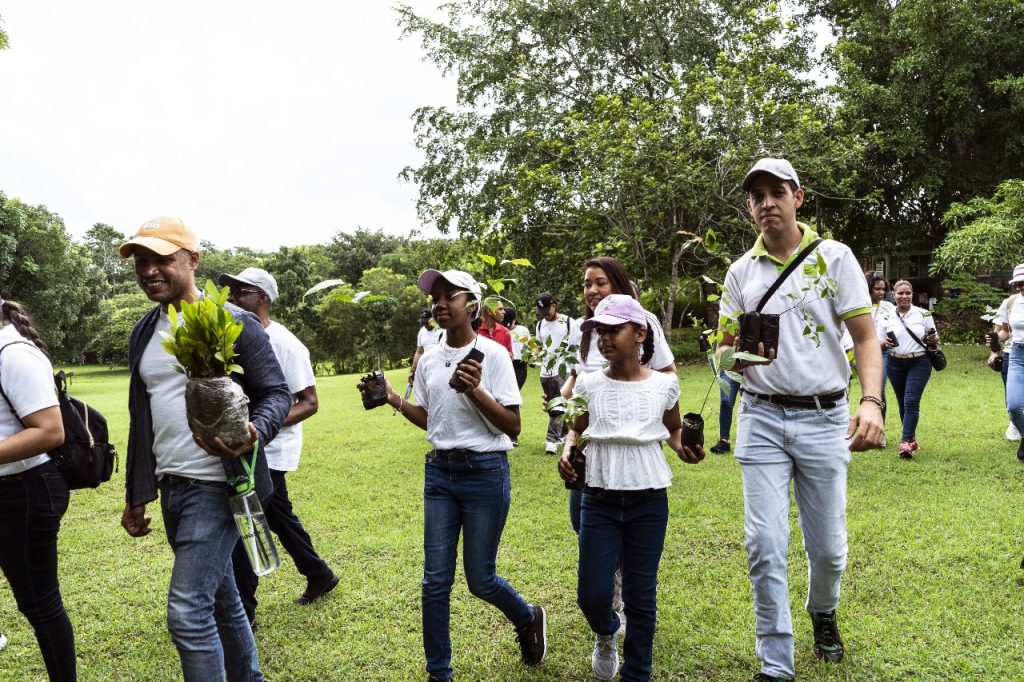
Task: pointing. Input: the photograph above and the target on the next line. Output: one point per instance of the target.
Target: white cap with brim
(256, 277)
(780, 168)
(458, 278)
(1018, 274)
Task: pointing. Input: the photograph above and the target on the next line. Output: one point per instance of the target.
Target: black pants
(31, 506)
(293, 537)
(520, 367)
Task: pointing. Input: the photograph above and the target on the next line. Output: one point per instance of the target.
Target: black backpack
(86, 458)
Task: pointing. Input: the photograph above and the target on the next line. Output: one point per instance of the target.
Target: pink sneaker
(914, 445)
(906, 450)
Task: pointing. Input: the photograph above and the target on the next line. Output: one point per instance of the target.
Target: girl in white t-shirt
(467, 487)
(33, 494)
(630, 410)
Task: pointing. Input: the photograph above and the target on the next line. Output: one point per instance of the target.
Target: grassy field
(933, 589)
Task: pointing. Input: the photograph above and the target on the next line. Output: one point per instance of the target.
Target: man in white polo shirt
(253, 290)
(795, 423)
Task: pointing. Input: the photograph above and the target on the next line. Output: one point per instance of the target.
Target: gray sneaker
(605, 660)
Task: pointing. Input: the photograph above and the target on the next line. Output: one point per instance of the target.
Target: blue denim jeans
(31, 506)
(726, 401)
(468, 493)
(627, 525)
(775, 446)
(204, 613)
(908, 377)
(1015, 386)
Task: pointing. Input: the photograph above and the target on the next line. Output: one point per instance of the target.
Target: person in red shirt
(491, 326)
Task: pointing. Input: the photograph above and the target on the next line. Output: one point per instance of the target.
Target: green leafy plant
(550, 356)
(495, 282)
(570, 409)
(379, 311)
(202, 337)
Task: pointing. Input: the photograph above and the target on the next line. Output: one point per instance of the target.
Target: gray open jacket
(263, 382)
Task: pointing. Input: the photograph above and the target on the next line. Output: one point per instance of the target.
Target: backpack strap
(788, 271)
(4, 393)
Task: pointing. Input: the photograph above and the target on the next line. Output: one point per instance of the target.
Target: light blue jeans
(1015, 386)
(204, 612)
(774, 446)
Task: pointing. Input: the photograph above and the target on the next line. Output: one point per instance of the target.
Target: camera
(758, 328)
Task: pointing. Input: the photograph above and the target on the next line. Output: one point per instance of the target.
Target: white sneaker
(1012, 433)
(551, 448)
(3, 640)
(605, 660)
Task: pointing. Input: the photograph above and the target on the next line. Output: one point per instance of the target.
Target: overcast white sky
(261, 124)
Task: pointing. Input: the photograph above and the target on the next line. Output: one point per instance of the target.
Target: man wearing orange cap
(204, 613)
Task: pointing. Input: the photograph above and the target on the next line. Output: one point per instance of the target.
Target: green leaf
(490, 260)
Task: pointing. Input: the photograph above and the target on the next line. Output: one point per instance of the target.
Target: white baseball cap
(458, 278)
(780, 168)
(257, 277)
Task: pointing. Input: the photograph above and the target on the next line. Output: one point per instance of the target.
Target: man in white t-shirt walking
(794, 423)
(427, 337)
(204, 613)
(552, 332)
(254, 290)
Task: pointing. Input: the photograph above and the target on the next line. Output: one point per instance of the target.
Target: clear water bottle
(254, 532)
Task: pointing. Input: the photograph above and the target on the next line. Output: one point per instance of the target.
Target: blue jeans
(204, 613)
(1015, 386)
(31, 506)
(467, 492)
(727, 399)
(908, 377)
(774, 446)
(627, 525)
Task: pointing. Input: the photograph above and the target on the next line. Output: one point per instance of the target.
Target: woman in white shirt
(883, 314)
(33, 494)
(1011, 327)
(909, 365)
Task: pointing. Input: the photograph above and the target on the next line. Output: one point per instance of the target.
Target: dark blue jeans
(727, 401)
(468, 493)
(31, 506)
(293, 537)
(908, 377)
(627, 525)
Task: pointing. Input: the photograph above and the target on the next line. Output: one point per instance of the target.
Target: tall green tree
(986, 233)
(102, 242)
(935, 90)
(352, 253)
(597, 126)
(42, 268)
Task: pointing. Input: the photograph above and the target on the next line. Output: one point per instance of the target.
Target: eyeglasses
(237, 293)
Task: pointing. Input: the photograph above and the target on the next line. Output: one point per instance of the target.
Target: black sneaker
(533, 637)
(721, 447)
(828, 645)
(1020, 451)
(762, 677)
(435, 678)
(316, 589)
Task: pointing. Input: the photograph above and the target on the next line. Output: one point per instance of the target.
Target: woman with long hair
(33, 494)
(909, 364)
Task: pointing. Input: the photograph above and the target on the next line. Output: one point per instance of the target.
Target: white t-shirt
(27, 378)
(557, 330)
(518, 332)
(883, 315)
(283, 452)
(453, 422)
(1006, 312)
(428, 338)
(662, 353)
(626, 430)
(802, 368)
(918, 322)
(173, 447)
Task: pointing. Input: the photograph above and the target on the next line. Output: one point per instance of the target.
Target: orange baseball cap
(163, 236)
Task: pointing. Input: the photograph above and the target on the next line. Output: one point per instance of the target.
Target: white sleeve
(671, 393)
(662, 352)
(500, 378)
(731, 300)
(1001, 315)
(298, 371)
(852, 289)
(27, 380)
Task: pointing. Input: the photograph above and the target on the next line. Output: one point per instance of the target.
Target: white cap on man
(780, 168)
(256, 277)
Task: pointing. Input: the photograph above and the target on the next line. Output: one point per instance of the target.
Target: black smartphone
(892, 338)
(455, 382)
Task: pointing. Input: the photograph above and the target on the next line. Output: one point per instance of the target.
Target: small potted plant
(379, 311)
(202, 339)
(566, 410)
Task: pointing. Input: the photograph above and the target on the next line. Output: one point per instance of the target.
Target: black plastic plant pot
(579, 465)
(693, 430)
(750, 333)
(770, 333)
(375, 390)
(993, 343)
(703, 343)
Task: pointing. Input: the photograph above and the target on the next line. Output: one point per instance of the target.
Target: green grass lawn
(933, 588)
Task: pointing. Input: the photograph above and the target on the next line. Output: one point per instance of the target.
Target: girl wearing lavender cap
(630, 410)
